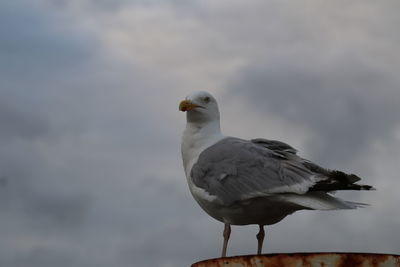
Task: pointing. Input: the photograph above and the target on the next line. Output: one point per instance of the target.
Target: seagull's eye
(207, 99)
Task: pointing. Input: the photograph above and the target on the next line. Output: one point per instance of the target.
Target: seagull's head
(200, 107)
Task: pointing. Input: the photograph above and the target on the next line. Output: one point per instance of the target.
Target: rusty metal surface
(305, 260)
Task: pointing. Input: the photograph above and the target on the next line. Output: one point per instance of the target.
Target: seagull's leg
(260, 238)
(227, 233)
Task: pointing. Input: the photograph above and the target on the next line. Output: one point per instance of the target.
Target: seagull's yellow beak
(186, 105)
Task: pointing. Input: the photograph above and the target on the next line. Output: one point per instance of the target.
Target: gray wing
(234, 170)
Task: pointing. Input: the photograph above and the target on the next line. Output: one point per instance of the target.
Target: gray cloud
(33, 46)
(58, 211)
(79, 130)
(346, 105)
(18, 124)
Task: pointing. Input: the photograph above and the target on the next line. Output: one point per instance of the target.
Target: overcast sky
(90, 165)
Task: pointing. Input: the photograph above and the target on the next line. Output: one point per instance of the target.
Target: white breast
(194, 141)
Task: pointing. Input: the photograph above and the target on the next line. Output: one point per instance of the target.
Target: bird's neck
(204, 128)
(196, 138)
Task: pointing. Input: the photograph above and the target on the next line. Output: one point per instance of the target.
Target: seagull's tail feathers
(357, 204)
(321, 201)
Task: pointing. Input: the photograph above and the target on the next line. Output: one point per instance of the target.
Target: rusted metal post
(305, 259)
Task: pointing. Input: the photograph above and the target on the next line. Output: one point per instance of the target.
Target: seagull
(258, 181)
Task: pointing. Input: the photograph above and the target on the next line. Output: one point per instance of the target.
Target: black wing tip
(367, 187)
(343, 177)
(340, 186)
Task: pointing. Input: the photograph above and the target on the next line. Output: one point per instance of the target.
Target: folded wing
(235, 170)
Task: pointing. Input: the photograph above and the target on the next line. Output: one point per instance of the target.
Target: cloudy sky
(90, 167)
